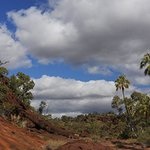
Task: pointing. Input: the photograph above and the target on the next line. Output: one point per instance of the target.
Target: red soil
(14, 138)
(83, 145)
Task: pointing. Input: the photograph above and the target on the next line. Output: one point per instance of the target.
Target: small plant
(18, 120)
(23, 123)
(126, 133)
(95, 138)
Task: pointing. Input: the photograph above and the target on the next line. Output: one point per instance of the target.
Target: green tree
(3, 87)
(145, 63)
(42, 106)
(22, 85)
(117, 104)
(142, 105)
(122, 83)
(3, 70)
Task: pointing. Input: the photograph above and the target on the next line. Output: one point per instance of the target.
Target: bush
(144, 137)
(7, 109)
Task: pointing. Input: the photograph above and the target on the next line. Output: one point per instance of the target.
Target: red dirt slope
(14, 138)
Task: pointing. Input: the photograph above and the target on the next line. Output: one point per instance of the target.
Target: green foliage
(117, 104)
(92, 125)
(144, 137)
(137, 108)
(22, 85)
(7, 109)
(138, 116)
(3, 71)
(122, 83)
(126, 133)
(145, 63)
(3, 91)
(141, 105)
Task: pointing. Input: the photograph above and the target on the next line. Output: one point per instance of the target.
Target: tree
(122, 83)
(117, 104)
(145, 63)
(142, 105)
(3, 87)
(42, 106)
(22, 85)
(3, 70)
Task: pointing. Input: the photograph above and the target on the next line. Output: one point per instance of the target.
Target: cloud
(73, 114)
(48, 39)
(11, 50)
(143, 81)
(73, 96)
(53, 3)
(99, 70)
(106, 32)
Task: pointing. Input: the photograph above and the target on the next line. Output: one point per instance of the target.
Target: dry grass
(54, 144)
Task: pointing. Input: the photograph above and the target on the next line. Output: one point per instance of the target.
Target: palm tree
(145, 63)
(122, 83)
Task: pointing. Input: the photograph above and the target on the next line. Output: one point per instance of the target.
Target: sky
(75, 49)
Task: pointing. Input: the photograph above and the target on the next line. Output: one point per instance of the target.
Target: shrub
(144, 137)
(7, 109)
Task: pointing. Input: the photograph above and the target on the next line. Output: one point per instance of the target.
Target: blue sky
(63, 69)
(87, 44)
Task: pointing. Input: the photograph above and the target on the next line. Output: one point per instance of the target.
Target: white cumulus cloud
(11, 50)
(106, 32)
(73, 96)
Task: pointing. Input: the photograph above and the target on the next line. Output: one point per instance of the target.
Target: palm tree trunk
(123, 95)
(146, 116)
